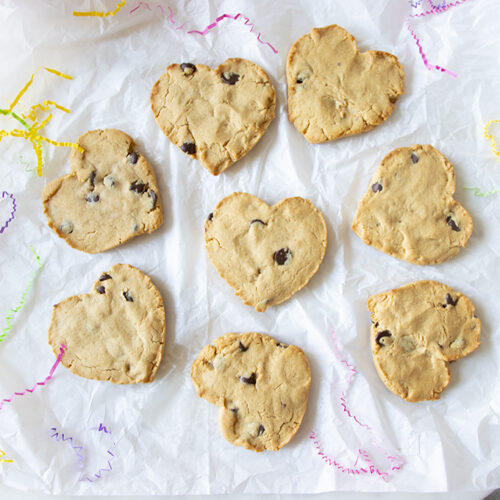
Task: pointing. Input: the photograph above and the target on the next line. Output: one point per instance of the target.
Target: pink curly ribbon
(372, 469)
(396, 462)
(11, 218)
(211, 25)
(47, 378)
(78, 450)
(434, 9)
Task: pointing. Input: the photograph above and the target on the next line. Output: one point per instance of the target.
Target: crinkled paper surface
(167, 439)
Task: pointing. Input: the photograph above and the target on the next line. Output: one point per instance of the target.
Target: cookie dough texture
(260, 385)
(109, 196)
(408, 210)
(266, 253)
(116, 333)
(334, 90)
(214, 115)
(416, 331)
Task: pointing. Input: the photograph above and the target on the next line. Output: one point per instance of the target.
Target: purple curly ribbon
(211, 25)
(79, 450)
(11, 218)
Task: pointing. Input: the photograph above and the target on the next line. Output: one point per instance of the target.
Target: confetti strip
(79, 450)
(396, 462)
(488, 136)
(23, 297)
(4, 460)
(47, 378)
(94, 13)
(212, 25)
(11, 218)
(477, 192)
(435, 9)
(31, 133)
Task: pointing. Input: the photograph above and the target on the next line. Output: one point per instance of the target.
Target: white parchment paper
(166, 438)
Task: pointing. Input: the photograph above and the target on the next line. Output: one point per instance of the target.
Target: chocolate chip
(105, 276)
(189, 148)
(138, 187)
(250, 380)
(188, 68)
(259, 221)
(283, 346)
(153, 197)
(92, 198)
(282, 256)
(234, 410)
(109, 181)
(452, 223)
(302, 76)
(66, 227)
(260, 430)
(414, 158)
(101, 289)
(299, 80)
(133, 157)
(393, 99)
(381, 335)
(230, 78)
(92, 178)
(242, 347)
(127, 296)
(210, 216)
(376, 187)
(449, 300)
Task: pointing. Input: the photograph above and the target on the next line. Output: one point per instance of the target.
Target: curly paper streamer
(488, 136)
(11, 218)
(94, 13)
(47, 378)
(31, 133)
(372, 469)
(15, 310)
(4, 460)
(79, 450)
(477, 192)
(437, 9)
(212, 25)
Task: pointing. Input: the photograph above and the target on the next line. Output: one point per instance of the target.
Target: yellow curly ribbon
(119, 5)
(491, 138)
(2, 454)
(477, 191)
(31, 133)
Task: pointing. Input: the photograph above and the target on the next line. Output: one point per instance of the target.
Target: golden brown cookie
(334, 90)
(266, 253)
(409, 211)
(115, 333)
(216, 116)
(416, 331)
(260, 385)
(109, 196)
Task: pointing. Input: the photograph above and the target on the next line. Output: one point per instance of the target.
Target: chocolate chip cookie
(266, 253)
(115, 333)
(416, 331)
(109, 196)
(215, 116)
(334, 90)
(261, 386)
(408, 210)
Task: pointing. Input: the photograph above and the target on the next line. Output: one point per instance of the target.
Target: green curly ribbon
(13, 311)
(477, 192)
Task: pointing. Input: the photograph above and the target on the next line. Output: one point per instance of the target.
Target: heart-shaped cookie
(416, 331)
(215, 116)
(334, 90)
(409, 211)
(260, 385)
(115, 333)
(109, 196)
(266, 253)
